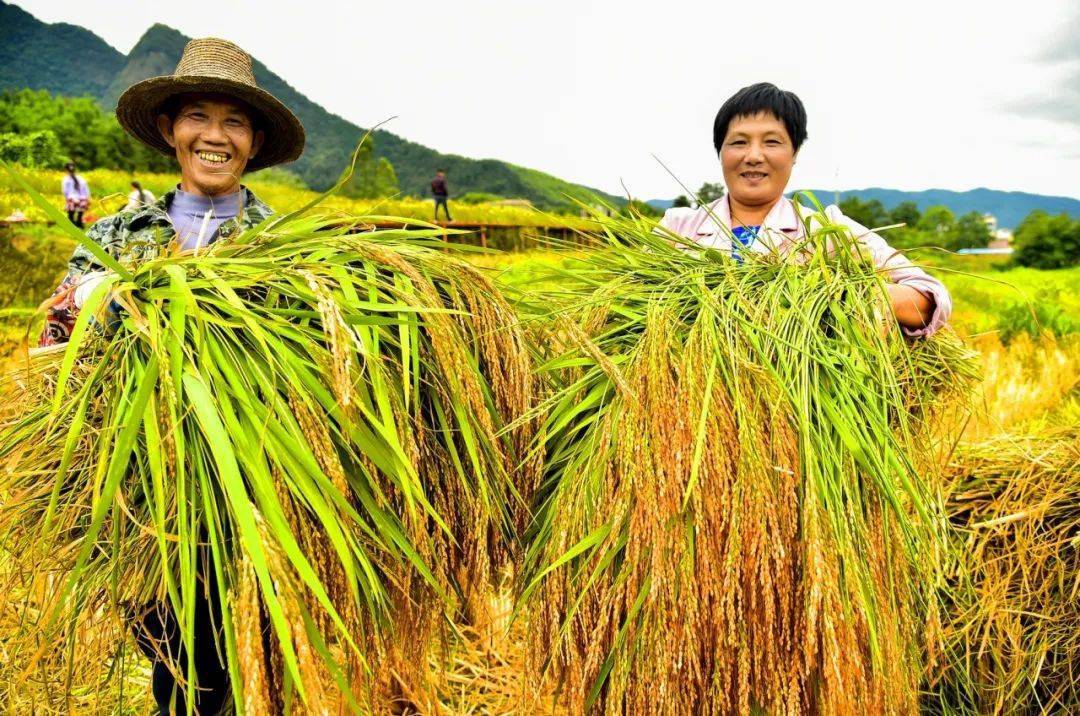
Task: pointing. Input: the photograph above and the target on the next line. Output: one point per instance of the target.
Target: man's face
(214, 139)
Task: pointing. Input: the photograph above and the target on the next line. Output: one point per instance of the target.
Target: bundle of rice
(307, 422)
(731, 516)
(1012, 640)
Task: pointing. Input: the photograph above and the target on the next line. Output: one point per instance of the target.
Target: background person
(441, 193)
(757, 135)
(138, 197)
(76, 195)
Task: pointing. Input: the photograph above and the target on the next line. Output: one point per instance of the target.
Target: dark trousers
(75, 217)
(158, 634)
(441, 201)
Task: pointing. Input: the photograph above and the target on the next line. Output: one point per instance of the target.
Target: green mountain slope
(331, 139)
(60, 58)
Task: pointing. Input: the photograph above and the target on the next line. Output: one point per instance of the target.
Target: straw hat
(212, 65)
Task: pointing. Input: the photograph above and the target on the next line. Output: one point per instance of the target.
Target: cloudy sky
(910, 95)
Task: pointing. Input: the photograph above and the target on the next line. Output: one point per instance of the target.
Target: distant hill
(35, 54)
(1009, 207)
(60, 58)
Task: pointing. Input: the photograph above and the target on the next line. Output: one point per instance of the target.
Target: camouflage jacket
(130, 235)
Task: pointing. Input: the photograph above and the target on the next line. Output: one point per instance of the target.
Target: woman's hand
(910, 306)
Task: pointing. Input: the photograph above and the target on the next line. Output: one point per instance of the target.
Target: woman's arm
(912, 308)
(920, 302)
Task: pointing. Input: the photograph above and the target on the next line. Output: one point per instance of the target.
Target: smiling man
(218, 123)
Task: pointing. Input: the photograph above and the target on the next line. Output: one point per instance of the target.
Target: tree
(969, 232)
(640, 208)
(681, 202)
(85, 134)
(938, 219)
(870, 214)
(708, 193)
(1047, 242)
(386, 183)
(373, 178)
(36, 150)
(907, 213)
(276, 175)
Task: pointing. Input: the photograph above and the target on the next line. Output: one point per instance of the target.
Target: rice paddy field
(955, 590)
(110, 189)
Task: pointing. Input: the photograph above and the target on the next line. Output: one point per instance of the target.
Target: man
(218, 124)
(440, 192)
(212, 117)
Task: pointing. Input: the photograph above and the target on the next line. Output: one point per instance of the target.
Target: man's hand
(86, 285)
(910, 306)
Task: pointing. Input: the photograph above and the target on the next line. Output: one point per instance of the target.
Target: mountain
(1009, 207)
(60, 58)
(33, 53)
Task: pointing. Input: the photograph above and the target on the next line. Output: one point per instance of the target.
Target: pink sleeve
(901, 271)
(679, 221)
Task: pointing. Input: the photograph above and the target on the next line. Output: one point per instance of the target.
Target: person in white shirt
(138, 197)
(76, 195)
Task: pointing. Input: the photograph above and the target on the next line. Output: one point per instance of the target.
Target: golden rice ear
(731, 518)
(1014, 502)
(258, 692)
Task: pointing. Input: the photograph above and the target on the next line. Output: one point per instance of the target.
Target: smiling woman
(757, 135)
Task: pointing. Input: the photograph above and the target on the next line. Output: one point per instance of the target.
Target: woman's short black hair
(762, 97)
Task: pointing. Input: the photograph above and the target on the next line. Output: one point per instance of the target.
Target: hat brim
(138, 108)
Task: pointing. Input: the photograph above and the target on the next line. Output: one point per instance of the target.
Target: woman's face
(757, 156)
(214, 139)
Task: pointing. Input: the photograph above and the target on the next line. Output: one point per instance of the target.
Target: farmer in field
(213, 118)
(138, 197)
(218, 124)
(441, 194)
(76, 195)
(757, 135)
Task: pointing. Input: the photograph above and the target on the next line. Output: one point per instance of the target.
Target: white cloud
(906, 95)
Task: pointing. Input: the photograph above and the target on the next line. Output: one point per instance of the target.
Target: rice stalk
(1011, 639)
(306, 418)
(732, 515)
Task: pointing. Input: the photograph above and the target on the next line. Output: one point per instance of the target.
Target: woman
(757, 135)
(218, 124)
(76, 195)
(138, 197)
